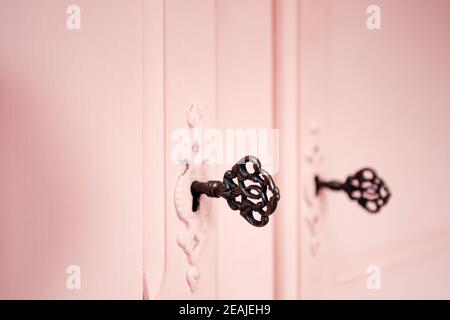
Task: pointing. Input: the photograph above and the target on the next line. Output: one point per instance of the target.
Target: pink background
(70, 165)
(86, 118)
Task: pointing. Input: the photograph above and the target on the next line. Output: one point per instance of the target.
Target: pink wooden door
(93, 162)
(87, 119)
(380, 99)
(195, 57)
(70, 141)
(343, 97)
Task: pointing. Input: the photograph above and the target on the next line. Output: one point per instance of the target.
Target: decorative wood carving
(195, 234)
(313, 215)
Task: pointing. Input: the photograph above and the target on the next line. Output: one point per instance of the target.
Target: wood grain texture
(70, 141)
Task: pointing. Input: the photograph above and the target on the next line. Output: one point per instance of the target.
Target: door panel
(153, 148)
(244, 101)
(189, 80)
(207, 64)
(88, 133)
(383, 104)
(70, 141)
(82, 109)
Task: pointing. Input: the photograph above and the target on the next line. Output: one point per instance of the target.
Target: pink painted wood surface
(86, 119)
(244, 100)
(226, 73)
(70, 141)
(286, 103)
(153, 120)
(189, 78)
(381, 99)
